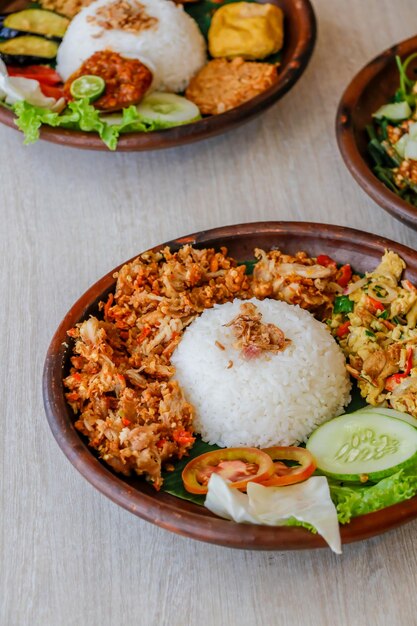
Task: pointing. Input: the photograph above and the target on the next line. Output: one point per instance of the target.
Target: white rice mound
(276, 399)
(174, 49)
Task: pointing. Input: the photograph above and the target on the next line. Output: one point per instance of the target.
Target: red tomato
(289, 475)
(52, 92)
(343, 329)
(394, 380)
(239, 465)
(41, 73)
(325, 260)
(344, 275)
(375, 305)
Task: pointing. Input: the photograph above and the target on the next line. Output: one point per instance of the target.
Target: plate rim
(172, 514)
(207, 127)
(352, 157)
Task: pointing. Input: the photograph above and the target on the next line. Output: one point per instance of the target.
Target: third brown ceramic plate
(362, 250)
(372, 87)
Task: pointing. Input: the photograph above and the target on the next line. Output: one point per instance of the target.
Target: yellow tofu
(245, 29)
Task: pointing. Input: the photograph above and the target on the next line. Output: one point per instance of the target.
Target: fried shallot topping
(254, 337)
(128, 16)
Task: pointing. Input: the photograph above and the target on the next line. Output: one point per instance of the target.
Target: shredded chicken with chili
(120, 383)
(297, 280)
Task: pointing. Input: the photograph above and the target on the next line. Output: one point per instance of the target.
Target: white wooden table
(70, 557)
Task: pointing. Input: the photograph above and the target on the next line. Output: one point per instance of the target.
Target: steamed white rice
(174, 50)
(276, 399)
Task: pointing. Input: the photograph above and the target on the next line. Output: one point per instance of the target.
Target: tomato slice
(52, 92)
(344, 275)
(394, 380)
(289, 475)
(343, 329)
(238, 465)
(41, 73)
(375, 305)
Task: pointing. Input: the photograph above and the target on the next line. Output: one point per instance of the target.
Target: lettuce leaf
(292, 521)
(354, 500)
(80, 115)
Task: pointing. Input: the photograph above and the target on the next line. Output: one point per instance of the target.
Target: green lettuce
(354, 500)
(293, 521)
(80, 115)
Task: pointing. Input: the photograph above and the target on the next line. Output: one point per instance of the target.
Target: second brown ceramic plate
(345, 245)
(300, 37)
(372, 87)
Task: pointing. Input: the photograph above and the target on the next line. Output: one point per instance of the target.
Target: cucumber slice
(401, 145)
(395, 111)
(37, 21)
(363, 446)
(168, 108)
(112, 119)
(412, 130)
(28, 49)
(410, 150)
(406, 417)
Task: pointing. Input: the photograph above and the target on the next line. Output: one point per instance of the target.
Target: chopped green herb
(342, 304)
(369, 333)
(380, 291)
(249, 266)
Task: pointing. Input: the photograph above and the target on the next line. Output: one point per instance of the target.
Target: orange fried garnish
(222, 85)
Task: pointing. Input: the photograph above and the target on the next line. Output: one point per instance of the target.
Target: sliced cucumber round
(406, 417)
(363, 446)
(112, 119)
(168, 108)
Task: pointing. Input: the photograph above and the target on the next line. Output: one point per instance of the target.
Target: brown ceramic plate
(346, 245)
(372, 87)
(300, 36)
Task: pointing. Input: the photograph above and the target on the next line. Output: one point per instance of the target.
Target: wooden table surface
(69, 555)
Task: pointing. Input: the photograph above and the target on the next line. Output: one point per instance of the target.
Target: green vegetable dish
(393, 137)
